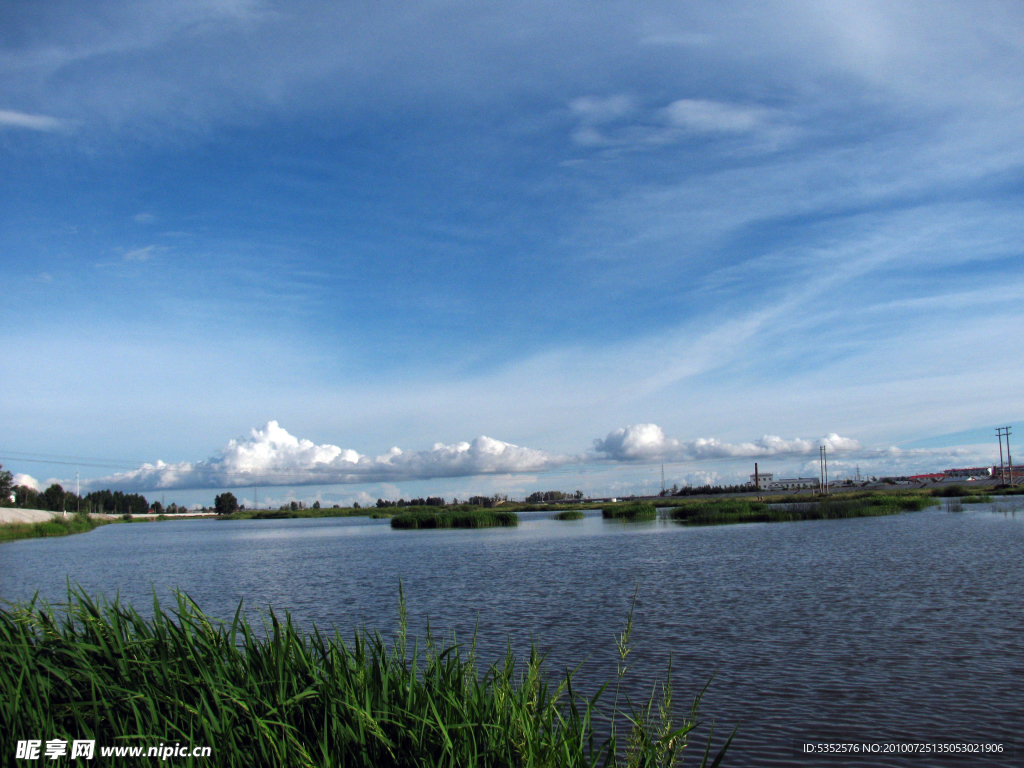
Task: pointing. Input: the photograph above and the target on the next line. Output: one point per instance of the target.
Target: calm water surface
(903, 628)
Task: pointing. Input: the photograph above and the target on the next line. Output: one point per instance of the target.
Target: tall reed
(638, 510)
(456, 518)
(749, 511)
(100, 670)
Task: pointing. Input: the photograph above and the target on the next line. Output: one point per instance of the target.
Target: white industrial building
(765, 481)
(794, 484)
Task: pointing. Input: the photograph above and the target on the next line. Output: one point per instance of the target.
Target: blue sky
(408, 225)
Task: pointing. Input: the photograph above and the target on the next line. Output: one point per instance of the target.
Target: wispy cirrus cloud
(707, 116)
(9, 119)
(618, 121)
(145, 253)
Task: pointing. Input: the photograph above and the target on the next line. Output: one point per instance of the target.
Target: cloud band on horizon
(273, 457)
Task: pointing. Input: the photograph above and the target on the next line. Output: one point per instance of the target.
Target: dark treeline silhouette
(706, 490)
(56, 499)
(430, 501)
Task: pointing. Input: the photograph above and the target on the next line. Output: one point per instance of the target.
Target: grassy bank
(830, 508)
(442, 517)
(274, 695)
(58, 526)
(639, 510)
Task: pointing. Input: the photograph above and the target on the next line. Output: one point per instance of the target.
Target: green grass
(830, 508)
(638, 510)
(275, 695)
(279, 514)
(58, 526)
(976, 498)
(569, 514)
(428, 517)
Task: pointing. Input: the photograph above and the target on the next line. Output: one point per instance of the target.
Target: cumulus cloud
(272, 456)
(648, 442)
(10, 119)
(28, 481)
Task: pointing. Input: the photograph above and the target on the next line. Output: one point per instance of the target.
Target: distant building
(970, 472)
(761, 480)
(1016, 470)
(794, 484)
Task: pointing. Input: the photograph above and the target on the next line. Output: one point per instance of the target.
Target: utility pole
(821, 469)
(824, 456)
(662, 479)
(1009, 460)
(1002, 470)
(78, 491)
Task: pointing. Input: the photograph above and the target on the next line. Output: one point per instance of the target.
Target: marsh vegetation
(637, 510)
(827, 508)
(272, 694)
(449, 517)
(569, 514)
(58, 526)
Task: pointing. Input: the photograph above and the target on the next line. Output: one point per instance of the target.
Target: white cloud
(705, 116)
(647, 442)
(143, 254)
(144, 218)
(28, 481)
(617, 121)
(272, 456)
(10, 119)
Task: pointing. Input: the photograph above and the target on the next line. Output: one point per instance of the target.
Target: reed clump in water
(456, 518)
(750, 511)
(101, 671)
(569, 514)
(638, 510)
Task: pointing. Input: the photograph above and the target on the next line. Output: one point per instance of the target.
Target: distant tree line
(430, 501)
(56, 499)
(488, 501)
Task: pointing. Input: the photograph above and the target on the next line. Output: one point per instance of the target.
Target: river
(902, 629)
